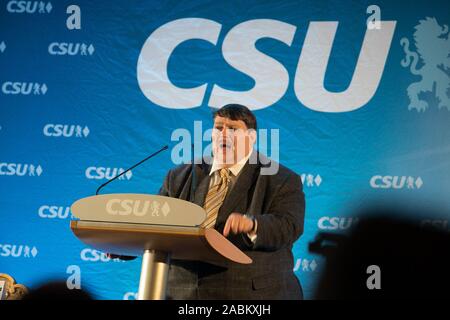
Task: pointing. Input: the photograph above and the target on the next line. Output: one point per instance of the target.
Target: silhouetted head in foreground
(57, 290)
(385, 256)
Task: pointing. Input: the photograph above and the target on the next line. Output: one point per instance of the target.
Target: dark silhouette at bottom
(413, 258)
(57, 290)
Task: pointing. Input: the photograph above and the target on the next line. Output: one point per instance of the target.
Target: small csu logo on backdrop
(396, 182)
(15, 6)
(2, 46)
(24, 88)
(65, 130)
(92, 255)
(439, 224)
(305, 265)
(432, 42)
(20, 169)
(100, 173)
(311, 180)
(70, 49)
(18, 251)
(130, 296)
(54, 212)
(336, 223)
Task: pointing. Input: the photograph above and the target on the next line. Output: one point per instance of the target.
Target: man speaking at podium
(259, 210)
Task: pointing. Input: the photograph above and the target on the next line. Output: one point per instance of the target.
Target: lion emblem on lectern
(433, 52)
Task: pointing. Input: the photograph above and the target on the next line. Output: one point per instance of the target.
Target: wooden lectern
(157, 227)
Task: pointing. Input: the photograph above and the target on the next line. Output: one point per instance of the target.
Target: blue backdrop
(361, 106)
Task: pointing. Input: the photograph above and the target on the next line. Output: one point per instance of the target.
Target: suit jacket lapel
(239, 190)
(202, 184)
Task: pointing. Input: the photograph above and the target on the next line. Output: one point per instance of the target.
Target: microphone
(134, 166)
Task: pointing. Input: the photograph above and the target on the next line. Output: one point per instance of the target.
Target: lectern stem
(154, 270)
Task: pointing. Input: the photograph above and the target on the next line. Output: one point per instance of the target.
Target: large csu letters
(270, 76)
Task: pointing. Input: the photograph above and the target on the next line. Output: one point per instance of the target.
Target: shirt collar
(235, 169)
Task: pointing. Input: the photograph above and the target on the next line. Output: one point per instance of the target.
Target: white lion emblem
(433, 49)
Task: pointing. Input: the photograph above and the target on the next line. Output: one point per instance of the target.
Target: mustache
(223, 141)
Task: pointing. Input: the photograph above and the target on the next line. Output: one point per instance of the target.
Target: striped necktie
(214, 199)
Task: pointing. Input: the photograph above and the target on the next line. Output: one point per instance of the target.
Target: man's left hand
(237, 223)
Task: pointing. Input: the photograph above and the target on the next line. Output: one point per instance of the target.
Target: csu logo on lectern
(125, 207)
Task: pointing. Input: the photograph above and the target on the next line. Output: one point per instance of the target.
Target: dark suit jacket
(278, 204)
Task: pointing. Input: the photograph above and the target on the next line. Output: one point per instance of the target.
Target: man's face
(231, 140)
